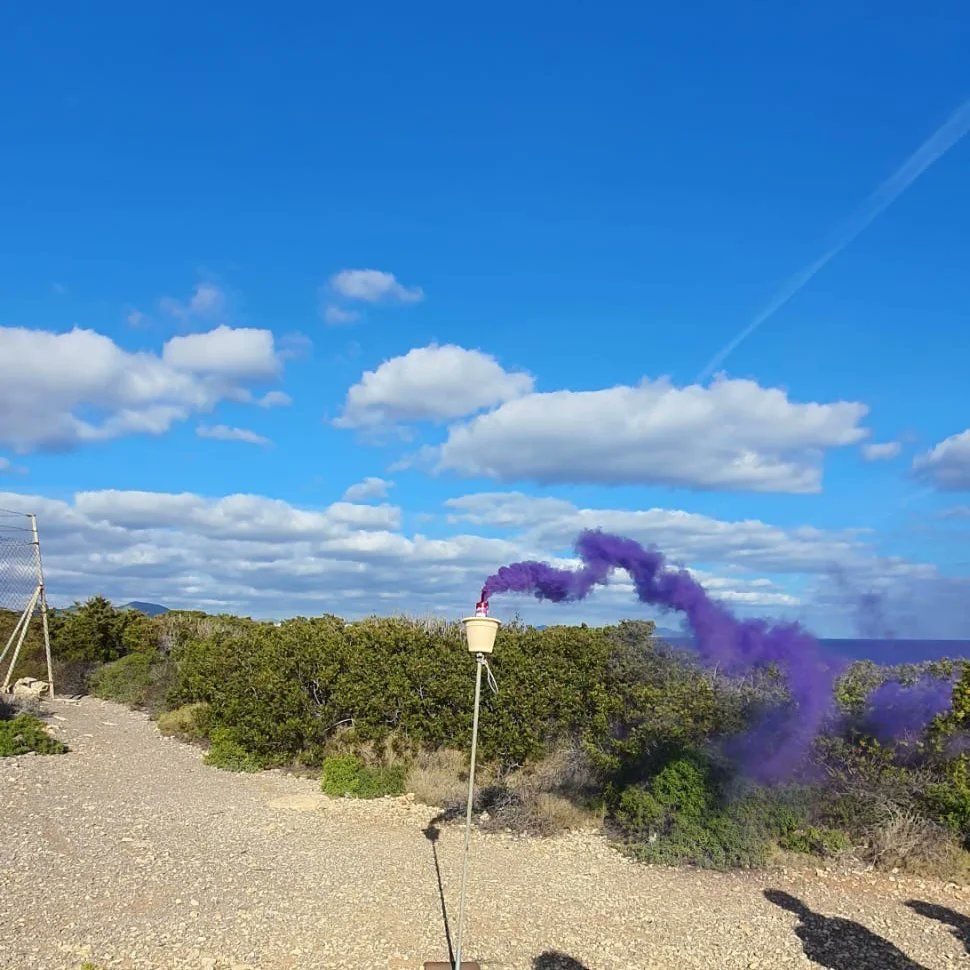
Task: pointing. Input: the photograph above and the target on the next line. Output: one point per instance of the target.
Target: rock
(30, 688)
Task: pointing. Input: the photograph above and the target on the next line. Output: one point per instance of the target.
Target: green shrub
(948, 799)
(228, 754)
(681, 792)
(815, 840)
(184, 722)
(683, 816)
(126, 681)
(346, 774)
(25, 733)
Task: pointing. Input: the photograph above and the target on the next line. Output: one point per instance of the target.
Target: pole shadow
(960, 924)
(432, 833)
(554, 960)
(841, 944)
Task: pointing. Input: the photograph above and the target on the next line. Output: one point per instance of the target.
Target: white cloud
(252, 554)
(947, 466)
(687, 537)
(58, 390)
(241, 353)
(370, 488)
(207, 302)
(373, 286)
(266, 557)
(223, 432)
(433, 383)
(881, 451)
(733, 434)
(336, 316)
(275, 399)
(5, 465)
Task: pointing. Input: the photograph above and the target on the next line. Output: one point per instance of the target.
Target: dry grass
(546, 797)
(908, 841)
(543, 798)
(554, 813)
(438, 778)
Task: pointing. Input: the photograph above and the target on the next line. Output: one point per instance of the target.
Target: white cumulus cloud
(237, 352)
(370, 488)
(207, 302)
(275, 399)
(881, 451)
(59, 390)
(947, 466)
(733, 434)
(433, 383)
(337, 316)
(373, 286)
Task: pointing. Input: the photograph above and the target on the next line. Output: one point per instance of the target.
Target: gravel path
(129, 852)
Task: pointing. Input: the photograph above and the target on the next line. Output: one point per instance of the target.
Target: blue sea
(887, 652)
(897, 651)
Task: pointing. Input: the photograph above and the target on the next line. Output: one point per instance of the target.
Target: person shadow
(432, 833)
(960, 924)
(841, 944)
(554, 960)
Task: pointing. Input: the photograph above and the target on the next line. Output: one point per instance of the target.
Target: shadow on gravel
(432, 833)
(841, 944)
(960, 923)
(554, 960)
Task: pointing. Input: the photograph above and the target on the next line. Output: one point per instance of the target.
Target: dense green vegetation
(347, 774)
(24, 733)
(591, 725)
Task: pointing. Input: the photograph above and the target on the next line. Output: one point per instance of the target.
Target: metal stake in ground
(480, 633)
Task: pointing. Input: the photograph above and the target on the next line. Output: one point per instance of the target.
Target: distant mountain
(149, 609)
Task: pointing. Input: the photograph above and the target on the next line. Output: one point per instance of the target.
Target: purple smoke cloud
(775, 747)
(901, 710)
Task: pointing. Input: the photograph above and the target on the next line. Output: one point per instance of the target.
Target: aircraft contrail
(937, 145)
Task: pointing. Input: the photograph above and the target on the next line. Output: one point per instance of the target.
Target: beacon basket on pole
(480, 631)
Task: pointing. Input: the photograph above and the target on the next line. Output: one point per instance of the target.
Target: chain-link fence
(21, 588)
(18, 561)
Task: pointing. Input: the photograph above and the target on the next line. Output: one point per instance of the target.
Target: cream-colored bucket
(480, 633)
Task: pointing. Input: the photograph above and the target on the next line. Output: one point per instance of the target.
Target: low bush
(140, 680)
(184, 722)
(684, 815)
(228, 754)
(816, 840)
(25, 733)
(347, 775)
(126, 681)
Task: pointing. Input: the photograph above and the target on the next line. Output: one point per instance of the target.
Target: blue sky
(551, 202)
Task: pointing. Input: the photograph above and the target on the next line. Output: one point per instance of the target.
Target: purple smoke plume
(780, 742)
(900, 710)
(774, 748)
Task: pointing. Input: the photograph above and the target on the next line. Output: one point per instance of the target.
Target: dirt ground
(129, 852)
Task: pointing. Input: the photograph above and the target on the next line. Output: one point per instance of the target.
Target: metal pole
(43, 605)
(480, 662)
